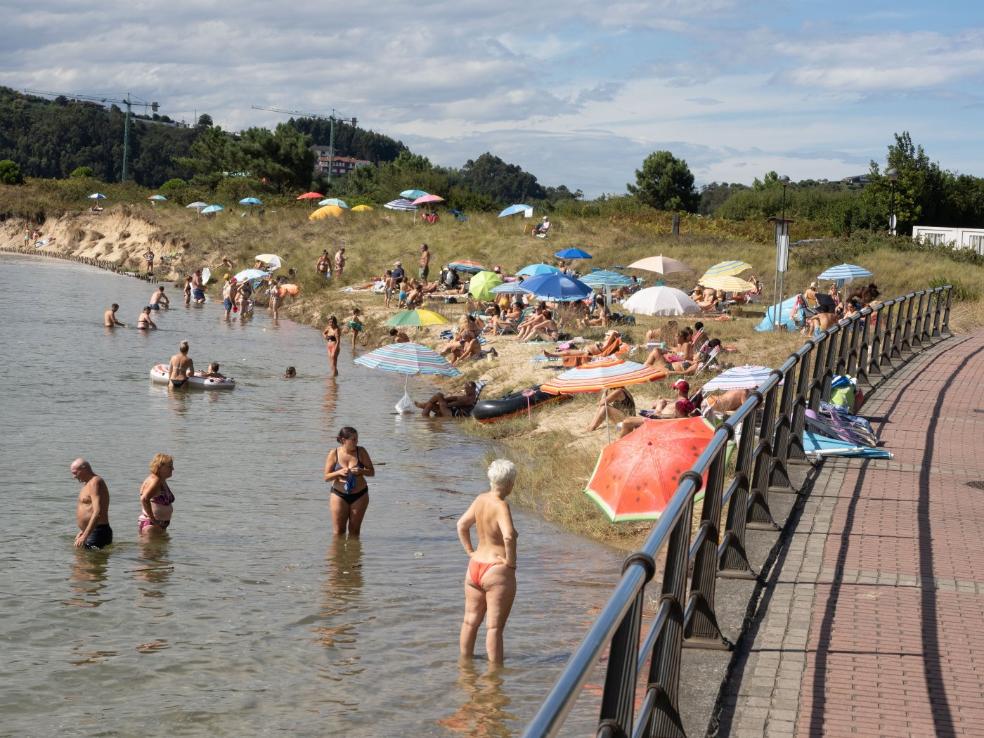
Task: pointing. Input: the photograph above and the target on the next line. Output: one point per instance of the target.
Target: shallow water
(250, 619)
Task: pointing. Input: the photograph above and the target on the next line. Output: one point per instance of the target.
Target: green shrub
(10, 173)
(80, 172)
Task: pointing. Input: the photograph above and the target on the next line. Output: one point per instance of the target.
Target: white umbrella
(661, 301)
(272, 261)
(660, 264)
(739, 377)
(197, 205)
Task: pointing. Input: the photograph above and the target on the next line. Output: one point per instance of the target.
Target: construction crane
(332, 119)
(128, 101)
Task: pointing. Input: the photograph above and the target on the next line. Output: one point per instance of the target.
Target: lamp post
(782, 255)
(893, 176)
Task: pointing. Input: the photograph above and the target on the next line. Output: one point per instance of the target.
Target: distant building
(339, 165)
(957, 238)
(858, 180)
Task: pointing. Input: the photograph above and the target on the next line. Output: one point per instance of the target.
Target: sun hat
(682, 385)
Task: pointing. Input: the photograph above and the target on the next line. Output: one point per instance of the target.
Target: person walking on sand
(149, 258)
(109, 317)
(144, 322)
(339, 261)
(346, 469)
(156, 498)
(92, 510)
(425, 260)
(333, 337)
(323, 267)
(490, 582)
(180, 367)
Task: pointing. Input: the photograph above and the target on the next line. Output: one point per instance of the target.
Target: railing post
(877, 322)
(938, 310)
(618, 698)
(898, 327)
(664, 667)
(927, 330)
(946, 311)
(860, 354)
(732, 557)
(906, 345)
(779, 478)
(803, 391)
(844, 346)
(759, 514)
(828, 375)
(700, 625)
(821, 348)
(917, 321)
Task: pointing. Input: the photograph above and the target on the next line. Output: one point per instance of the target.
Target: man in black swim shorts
(92, 510)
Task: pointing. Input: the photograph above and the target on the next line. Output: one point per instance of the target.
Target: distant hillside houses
(338, 165)
(858, 180)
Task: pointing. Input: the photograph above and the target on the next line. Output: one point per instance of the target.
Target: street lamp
(893, 176)
(782, 255)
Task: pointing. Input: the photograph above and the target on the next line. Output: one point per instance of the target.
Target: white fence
(958, 238)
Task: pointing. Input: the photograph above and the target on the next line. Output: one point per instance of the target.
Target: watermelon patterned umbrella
(636, 477)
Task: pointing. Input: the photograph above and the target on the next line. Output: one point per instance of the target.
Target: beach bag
(405, 405)
(842, 392)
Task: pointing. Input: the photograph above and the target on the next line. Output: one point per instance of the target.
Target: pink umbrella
(425, 199)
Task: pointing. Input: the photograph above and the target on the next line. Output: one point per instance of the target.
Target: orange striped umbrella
(636, 476)
(602, 375)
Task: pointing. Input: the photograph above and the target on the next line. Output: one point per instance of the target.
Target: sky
(577, 93)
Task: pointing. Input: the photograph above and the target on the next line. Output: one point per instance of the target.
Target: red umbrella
(636, 476)
(311, 196)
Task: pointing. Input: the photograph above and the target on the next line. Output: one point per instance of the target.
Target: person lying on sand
(682, 408)
(611, 343)
(450, 406)
(727, 402)
(468, 348)
(620, 405)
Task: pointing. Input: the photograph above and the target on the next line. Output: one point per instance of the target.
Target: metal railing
(870, 345)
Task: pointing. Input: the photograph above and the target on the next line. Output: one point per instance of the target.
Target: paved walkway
(872, 623)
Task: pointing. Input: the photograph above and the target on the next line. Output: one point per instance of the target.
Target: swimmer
(333, 337)
(290, 373)
(92, 511)
(156, 498)
(109, 317)
(180, 367)
(144, 322)
(490, 582)
(213, 371)
(355, 325)
(198, 287)
(346, 468)
(159, 298)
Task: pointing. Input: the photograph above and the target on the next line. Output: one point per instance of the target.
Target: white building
(957, 238)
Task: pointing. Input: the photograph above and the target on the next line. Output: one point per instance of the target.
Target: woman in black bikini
(345, 469)
(333, 336)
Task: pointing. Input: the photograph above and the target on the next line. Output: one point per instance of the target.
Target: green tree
(80, 172)
(10, 173)
(665, 183)
(916, 194)
(282, 158)
(204, 121)
(503, 183)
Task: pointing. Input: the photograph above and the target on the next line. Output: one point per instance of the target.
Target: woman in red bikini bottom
(156, 498)
(490, 583)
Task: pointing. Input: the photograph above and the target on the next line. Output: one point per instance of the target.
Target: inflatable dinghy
(159, 375)
(488, 411)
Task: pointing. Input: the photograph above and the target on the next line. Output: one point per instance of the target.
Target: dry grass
(558, 454)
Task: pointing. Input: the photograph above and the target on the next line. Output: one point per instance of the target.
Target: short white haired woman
(490, 583)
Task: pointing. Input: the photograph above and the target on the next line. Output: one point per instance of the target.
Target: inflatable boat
(159, 375)
(488, 411)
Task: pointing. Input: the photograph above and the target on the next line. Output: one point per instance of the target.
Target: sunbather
(727, 402)
(448, 406)
(681, 408)
(616, 404)
(528, 328)
(468, 348)
(611, 344)
(547, 329)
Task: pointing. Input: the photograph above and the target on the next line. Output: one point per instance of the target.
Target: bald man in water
(92, 510)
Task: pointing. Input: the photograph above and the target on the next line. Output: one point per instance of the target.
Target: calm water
(251, 619)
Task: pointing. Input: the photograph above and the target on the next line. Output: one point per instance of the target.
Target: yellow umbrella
(726, 283)
(328, 211)
(416, 318)
(361, 208)
(728, 268)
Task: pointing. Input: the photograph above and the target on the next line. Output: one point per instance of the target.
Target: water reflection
(154, 568)
(484, 712)
(342, 593)
(87, 578)
(331, 398)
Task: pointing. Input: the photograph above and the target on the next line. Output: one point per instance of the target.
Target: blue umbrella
(572, 254)
(515, 209)
(510, 288)
(815, 444)
(845, 272)
(97, 196)
(250, 201)
(334, 201)
(557, 287)
(413, 194)
(785, 316)
(157, 198)
(212, 209)
(534, 270)
(603, 278)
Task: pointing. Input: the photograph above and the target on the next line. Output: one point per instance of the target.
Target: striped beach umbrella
(595, 377)
(728, 268)
(739, 377)
(726, 283)
(401, 204)
(407, 359)
(535, 270)
(605, 278)
(845, 272)
(509, 288)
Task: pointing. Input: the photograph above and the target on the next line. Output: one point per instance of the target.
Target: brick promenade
(872, 621)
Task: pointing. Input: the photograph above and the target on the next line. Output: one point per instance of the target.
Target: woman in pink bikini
(490, 583)
(156, 498)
